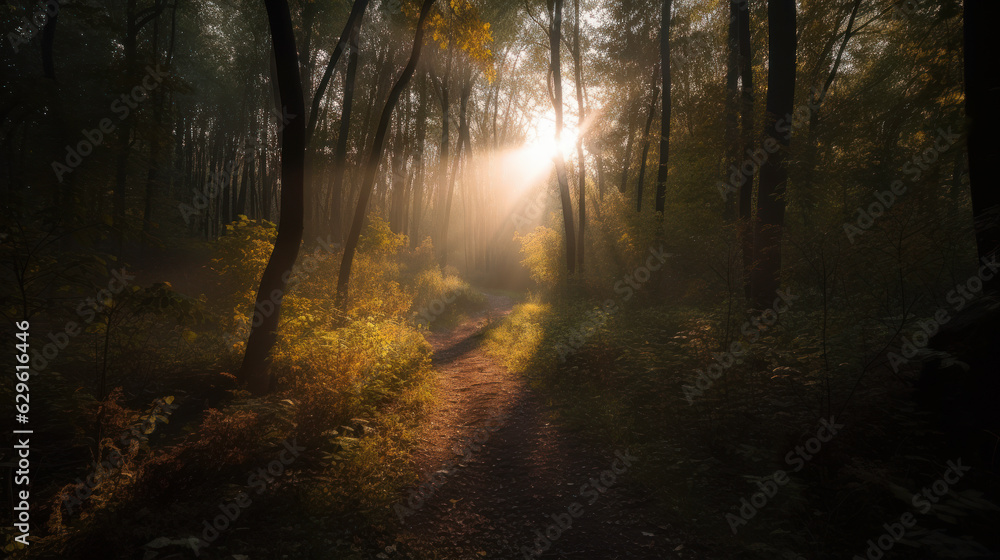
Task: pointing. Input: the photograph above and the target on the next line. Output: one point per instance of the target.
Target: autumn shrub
(544, 256)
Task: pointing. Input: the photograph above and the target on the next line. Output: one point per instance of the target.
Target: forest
(500, 279)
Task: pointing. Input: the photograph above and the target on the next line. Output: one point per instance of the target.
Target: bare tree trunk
(254, 372)
(653, 94)
(374, 156)
(766, 278)
(357, 13)
(442, 242)
(418, 184)
(153, 173)
(582, 178)
(745, 207)
(811, 147)
(343, 136)
(450, 192)
(397, 183)
(982, 107)
(661, 173)
(630, 136)
(567, 205)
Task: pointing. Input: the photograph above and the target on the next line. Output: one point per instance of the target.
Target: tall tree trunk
(442, 242)
(811, 147)
(398, 183)
(555, 36)
(653, 93)
(254, 372)
(357, 13)
(133, 24)
(745, 206)
(766, 277)
(982, 108)
(661, 173)
(732, 109)
(459, 150)
(629, 135)
(582, 177)
(124, 134)
(48, 41)
(375, 156)
(343, 136)
(417, 189)
(159, 95)
(305, 48)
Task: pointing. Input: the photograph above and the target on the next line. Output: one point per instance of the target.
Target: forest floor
(524, 469)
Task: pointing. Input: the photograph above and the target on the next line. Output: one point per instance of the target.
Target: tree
(982, 108)
(375, 156)
(253, 373)
(336, 195)
(766, 276)
(661, 173)
(654, 92)
(744, 62)
(582, 176)
(353, 22)
(555, 36)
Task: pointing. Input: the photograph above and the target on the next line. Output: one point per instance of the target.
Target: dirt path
(528, 469)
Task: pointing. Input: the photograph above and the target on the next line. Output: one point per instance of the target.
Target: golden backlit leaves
(461, 23)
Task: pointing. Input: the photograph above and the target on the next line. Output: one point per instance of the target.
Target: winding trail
(528, 469)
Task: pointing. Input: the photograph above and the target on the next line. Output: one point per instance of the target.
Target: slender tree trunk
(450, 192)
(582, 177)
(982, 108)
(555, 36)
(254, 372)
(375, 156)
(766, 278)
(418, 184)
(732, 109)
(811, 147)
(48, 41)
(661, 173)
(745, 207)
(653, 94)
(343, 136)
(357, 13)
(630, 136)
(445, 147)
(397, 166)
(159, 95)
(124, 133)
